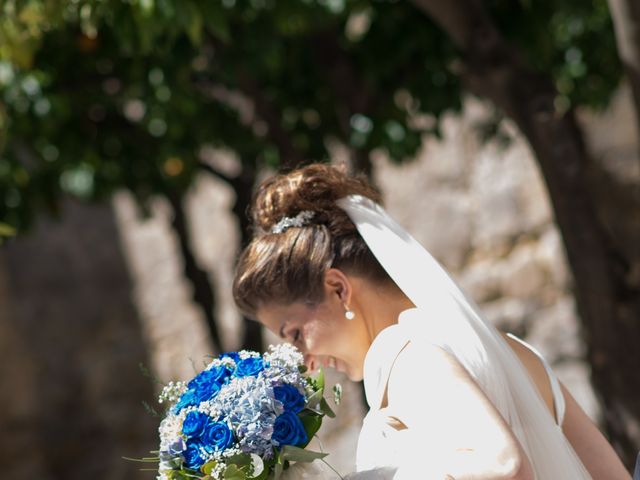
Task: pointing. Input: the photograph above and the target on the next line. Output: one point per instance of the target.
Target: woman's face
(322, 332)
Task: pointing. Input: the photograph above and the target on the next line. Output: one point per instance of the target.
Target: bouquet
(245, 416)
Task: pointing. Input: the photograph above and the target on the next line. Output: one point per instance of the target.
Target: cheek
(330, 337)
(322, 333)
(315, 333)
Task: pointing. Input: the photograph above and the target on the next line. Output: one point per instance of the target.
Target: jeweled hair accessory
(299, 220)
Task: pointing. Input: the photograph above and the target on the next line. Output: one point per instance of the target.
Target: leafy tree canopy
(104, 94)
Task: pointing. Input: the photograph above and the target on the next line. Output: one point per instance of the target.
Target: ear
(338, 284)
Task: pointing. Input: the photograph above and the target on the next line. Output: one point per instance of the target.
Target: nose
(310, 361)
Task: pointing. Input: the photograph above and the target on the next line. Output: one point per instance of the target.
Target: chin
(354, 376)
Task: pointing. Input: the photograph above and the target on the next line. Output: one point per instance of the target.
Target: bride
(450, 396)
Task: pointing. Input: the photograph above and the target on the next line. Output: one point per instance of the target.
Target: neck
(379, 305)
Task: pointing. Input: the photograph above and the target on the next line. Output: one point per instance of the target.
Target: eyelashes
(296, 334)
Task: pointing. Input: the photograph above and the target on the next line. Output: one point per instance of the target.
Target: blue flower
(249, 367)
(290, 397)
(288, 430)
(193, 457)
(187, 399)
(232, 355)
(215, 374)
(177, 447)
(207, 384)
(194, 423)
(217, 435)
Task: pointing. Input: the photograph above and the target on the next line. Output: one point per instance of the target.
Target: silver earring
(349, 314)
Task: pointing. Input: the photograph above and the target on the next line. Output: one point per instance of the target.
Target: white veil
(462, 331)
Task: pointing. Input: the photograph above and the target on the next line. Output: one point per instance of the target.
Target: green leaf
(194, 29)
(311, 423)
(320, 379)
(149, 409)
(326, 409)
(215, 20)
(314, 400)
(209, 466)
(295, 454)
(277, 469)
(7, 230)
(234, 473)
(240, 459)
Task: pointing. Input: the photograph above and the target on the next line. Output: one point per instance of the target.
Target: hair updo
(287, 267)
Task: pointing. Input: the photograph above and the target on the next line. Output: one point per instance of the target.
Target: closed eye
(283, 335)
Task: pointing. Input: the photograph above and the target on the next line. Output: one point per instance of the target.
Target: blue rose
(288, 430)
(187, 399)
(217, 435)
(194, 424)
(213, 375)
(290, 397)
(193, 457)
(232, 355)
(207, 384)
(249, 367)
(206, 391)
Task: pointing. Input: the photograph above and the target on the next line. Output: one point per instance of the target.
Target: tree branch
(350, 90)
(626, 22)
(466, 22)
(205, 167)
(291, 157)
(203, 292)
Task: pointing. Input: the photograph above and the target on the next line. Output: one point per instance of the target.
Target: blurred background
(503, 134)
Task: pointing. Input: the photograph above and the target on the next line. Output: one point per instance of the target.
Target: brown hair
(287, 267)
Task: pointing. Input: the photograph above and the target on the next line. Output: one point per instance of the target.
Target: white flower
(285, 355)
(172, 392)
(171, 429)
(244, 354)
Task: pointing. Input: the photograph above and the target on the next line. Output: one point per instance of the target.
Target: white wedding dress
(446, 317)
(385, 452)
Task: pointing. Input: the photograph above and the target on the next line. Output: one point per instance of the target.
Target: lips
(332, 362)
(327, 361)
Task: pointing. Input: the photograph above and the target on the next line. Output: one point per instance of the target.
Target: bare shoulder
(589, 443)
(430, 390)
(535, 369)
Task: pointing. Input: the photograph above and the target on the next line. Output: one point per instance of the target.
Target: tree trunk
(243, 186)
(626, 21)
(606, 292)
(202, 288)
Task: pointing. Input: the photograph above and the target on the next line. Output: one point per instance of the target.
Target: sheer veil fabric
(457, 326)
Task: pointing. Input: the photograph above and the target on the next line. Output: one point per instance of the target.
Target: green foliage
(573, 40)
(6, 231)
(97, 95)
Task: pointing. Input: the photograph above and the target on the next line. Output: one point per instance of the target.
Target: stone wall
(70, 349)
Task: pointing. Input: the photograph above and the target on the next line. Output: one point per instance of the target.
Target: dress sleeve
(453, 427)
